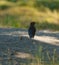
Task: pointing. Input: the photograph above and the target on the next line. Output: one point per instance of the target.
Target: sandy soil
(15, 43)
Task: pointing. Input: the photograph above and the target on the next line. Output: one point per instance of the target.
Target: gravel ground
(15, 44)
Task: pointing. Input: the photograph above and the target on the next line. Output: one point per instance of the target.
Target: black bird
(32, 30)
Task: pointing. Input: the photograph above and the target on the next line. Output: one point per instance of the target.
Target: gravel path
(16, 42)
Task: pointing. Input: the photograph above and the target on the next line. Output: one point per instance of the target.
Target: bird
(32, 30)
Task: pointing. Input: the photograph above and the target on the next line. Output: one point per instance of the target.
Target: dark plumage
(32, 30)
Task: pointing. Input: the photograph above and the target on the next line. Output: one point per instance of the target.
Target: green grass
(4, 7)
(12, 0)
(52, 5)
(50, 60)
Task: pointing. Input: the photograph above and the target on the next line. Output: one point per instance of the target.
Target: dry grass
(33, 14)
(2, 2)
(18, 15)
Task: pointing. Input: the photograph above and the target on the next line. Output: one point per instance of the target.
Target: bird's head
(32, 23)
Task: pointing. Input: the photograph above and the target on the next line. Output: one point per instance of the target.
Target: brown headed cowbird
(32, 30)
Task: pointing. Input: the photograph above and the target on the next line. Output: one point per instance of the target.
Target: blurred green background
(19, 13)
